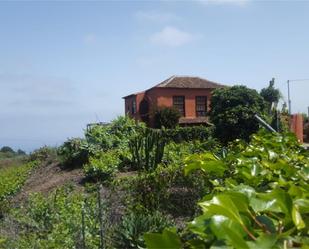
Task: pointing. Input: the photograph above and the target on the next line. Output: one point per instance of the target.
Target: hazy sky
(65, 64)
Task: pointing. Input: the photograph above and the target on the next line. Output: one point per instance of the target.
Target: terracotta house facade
(190, 95)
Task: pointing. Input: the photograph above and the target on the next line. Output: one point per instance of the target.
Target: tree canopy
(270, 94)
(232, 112)
(7, 149)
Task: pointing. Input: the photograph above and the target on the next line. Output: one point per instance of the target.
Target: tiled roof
(188, 82)
(184, 82)
(133, 94)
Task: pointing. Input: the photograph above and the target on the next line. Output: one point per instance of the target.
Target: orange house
(189, 95)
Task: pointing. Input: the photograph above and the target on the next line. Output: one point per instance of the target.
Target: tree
(271, 95)
(232, 112)
(21, 152)
(7, 149)
(167, 117)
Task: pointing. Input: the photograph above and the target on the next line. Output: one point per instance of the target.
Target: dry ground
(48, 177)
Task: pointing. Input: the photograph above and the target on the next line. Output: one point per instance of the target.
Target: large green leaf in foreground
(258, 198)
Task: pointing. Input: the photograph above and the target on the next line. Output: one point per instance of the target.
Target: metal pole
(289, 99)
(262, 122)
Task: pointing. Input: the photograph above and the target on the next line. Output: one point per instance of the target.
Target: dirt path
(48, 177)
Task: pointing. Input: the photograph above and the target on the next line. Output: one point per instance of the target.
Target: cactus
(147, 149)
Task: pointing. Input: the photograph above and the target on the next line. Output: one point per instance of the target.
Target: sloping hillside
(47, 177)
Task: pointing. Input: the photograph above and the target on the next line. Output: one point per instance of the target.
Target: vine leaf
(168, 240)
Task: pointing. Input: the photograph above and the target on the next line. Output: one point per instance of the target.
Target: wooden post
(100, 218)
(83, 227)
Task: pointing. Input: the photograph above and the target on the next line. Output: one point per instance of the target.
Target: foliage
(7, 152)
(57, 221)
(166, 117)
(165, 189)
(20, 152)
(102, 166)
(42, 154)
(6, 155)
(175, 153)
(168, 239)
(185, 134)
(11, 180)
(147, 149)
(278, 121)
(258, 197)
(6, 149)
(114, 135)
(129, 233)
(232, 112)
(75, 152)
(306, 132)
(271, 95)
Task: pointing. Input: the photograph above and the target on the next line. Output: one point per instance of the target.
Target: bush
(7, 149)
(167, 117)
(232, 112)
(12, 179)
(114, 135)
(129, 234)
(75, 152)
(7, 152)
(165, 189)
(43, 153)
(258, 197)
(21, 152)
(57, 221)
(185, 134)
(103, 166)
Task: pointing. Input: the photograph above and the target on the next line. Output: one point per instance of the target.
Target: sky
(64, 64)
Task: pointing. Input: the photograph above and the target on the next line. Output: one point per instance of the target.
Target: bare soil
(48, 177)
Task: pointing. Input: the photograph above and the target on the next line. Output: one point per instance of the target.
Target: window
(134, 106)
(201, 106)
(179, 104)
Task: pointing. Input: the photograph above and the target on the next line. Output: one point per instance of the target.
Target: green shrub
(175, 153)
(75, 152)
(43, 153)
(166, 117)
(129, 233)
(99, 135)
(58, 220)
(114, 135)
(258, 197)
(165, 189)
(102, 166)
(185, 134)
(232, 112)
(21, 152)
(11, 180)
(6, 155)
(7, 149)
